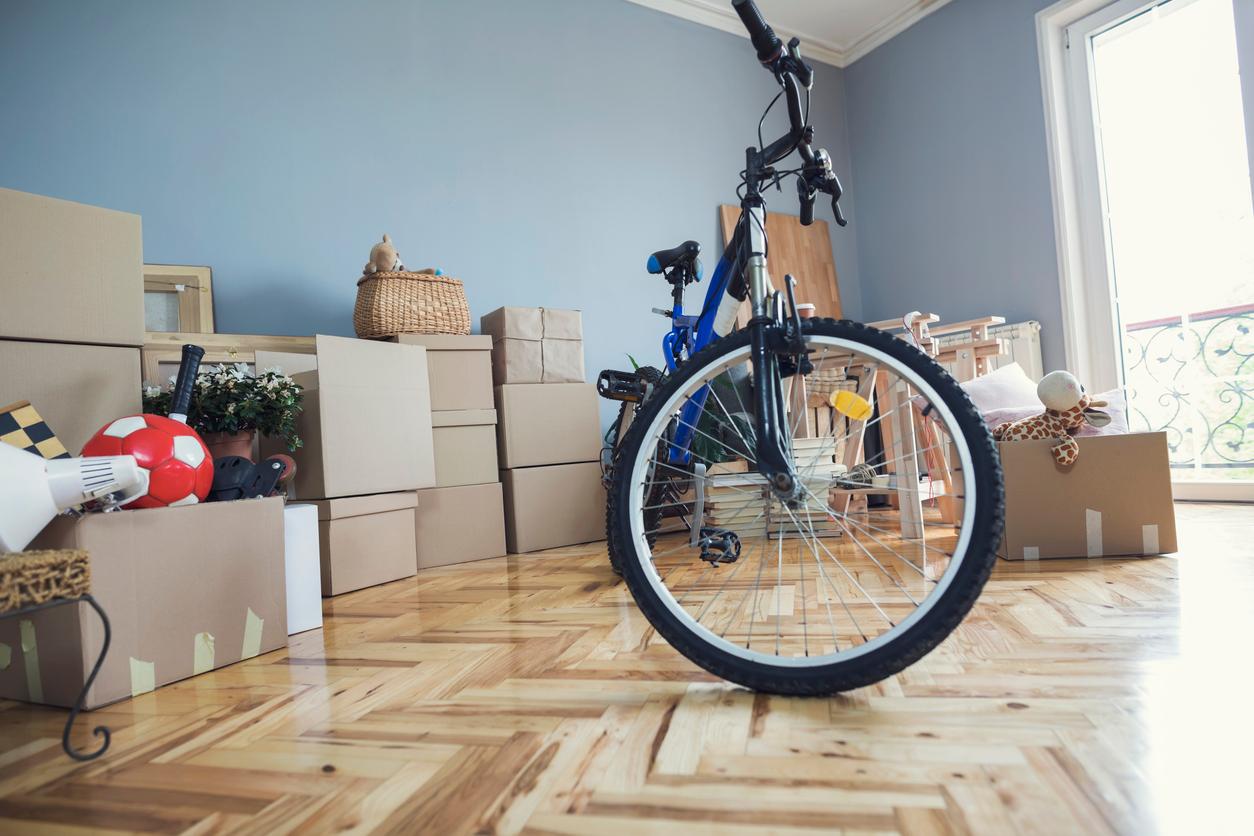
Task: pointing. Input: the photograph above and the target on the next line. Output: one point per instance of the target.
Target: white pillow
(1003, 388)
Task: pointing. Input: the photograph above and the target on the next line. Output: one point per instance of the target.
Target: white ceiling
(835, 32)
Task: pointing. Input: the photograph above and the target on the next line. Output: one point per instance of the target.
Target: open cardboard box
(366, 422)
(1115, 500)
(186, 590)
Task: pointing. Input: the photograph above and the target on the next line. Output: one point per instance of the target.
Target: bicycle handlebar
(764, 39)
(792, 73)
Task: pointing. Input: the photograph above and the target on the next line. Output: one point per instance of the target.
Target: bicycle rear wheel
(879, 561)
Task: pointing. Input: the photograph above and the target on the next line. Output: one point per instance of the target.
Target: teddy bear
(383, 258)
(1067, 409)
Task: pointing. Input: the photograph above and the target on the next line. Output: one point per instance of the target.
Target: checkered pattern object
(24, 428)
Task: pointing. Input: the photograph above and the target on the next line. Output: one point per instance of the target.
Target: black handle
(181, 397)
(760, 33)
(806, 195)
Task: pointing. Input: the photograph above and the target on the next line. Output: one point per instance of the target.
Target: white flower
(152, 391)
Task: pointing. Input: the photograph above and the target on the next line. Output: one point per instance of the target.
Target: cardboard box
(76, 388)
(366, 423)
(547, 507)
(70, 272)
(562, 361)
(459, 369)
(458, 525)
(186, 589)
(535, 345)
(465, 447)
(544, 424)
(1115, 500)
(303, 568)
(366, 540)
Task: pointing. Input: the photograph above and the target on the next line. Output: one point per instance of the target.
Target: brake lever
(840, 218)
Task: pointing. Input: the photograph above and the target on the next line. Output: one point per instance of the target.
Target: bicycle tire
(931, 629)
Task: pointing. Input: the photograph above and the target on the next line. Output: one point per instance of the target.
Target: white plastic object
(33, 490)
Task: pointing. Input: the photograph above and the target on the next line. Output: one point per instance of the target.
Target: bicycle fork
(775, 334)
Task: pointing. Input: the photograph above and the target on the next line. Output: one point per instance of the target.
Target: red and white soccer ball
(172, 459)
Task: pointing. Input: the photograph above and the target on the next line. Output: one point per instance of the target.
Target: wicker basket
(410, 303)
(28, 579)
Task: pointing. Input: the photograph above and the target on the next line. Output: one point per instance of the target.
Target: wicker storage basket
(410, 303)
(28, 579)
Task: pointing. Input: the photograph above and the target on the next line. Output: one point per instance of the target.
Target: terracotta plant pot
(230, 444)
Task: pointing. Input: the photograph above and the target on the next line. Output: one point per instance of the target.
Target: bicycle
(868, 565)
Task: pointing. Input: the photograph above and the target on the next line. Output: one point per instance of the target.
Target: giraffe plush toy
(1067, 409)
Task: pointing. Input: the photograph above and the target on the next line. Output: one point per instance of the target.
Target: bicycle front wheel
(882, 557)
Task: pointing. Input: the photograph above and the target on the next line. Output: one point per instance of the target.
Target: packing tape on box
(143, 676)
(6, 656)
(202, 653)
(1149, 539)
(30, 655)
(253, 625)
(1031, 553)
(1093, 532)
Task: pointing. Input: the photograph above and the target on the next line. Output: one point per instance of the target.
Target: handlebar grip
(806, 195)
(763, 37)
(181, 397)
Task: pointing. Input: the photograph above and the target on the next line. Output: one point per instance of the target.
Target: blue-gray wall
(947, 131)
(539, 150)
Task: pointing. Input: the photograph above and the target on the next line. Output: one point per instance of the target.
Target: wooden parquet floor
(527, 694)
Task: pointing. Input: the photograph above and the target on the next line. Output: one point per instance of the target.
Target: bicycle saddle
(663, 260)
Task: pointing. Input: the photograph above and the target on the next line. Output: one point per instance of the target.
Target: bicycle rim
(824, 580)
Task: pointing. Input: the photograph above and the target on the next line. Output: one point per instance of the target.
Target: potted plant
(231, 404)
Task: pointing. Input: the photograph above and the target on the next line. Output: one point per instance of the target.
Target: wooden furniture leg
(905, 454)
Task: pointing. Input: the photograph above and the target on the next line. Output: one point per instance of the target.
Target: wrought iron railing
(1193, 377)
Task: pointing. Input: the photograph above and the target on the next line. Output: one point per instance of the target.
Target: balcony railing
(1192, 377)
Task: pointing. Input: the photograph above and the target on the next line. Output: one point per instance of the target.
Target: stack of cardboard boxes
(462, 518)
(366, 426)
(186, 589)
(71, 312)
(548, 436)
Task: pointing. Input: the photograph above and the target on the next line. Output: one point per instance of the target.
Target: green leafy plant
(231, 399)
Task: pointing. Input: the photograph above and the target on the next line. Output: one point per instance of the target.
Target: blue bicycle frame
(688, 335)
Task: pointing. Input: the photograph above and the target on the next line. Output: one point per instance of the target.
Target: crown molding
(718, 15)
(891, 28)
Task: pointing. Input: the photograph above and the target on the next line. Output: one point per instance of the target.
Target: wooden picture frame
(166, 348)
(194, 289)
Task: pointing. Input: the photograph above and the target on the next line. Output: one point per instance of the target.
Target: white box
(304, 567)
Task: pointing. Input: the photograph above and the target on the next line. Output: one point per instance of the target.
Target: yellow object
(851, 404)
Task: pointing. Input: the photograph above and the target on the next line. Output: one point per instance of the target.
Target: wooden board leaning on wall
(805, 252)
(163, 350)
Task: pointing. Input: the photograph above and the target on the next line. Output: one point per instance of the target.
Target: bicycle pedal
(621, 386)
(719, 545)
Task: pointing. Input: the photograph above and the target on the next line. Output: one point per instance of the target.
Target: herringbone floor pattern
(528, 694)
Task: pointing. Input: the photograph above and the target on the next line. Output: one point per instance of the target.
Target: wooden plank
(805, 252)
